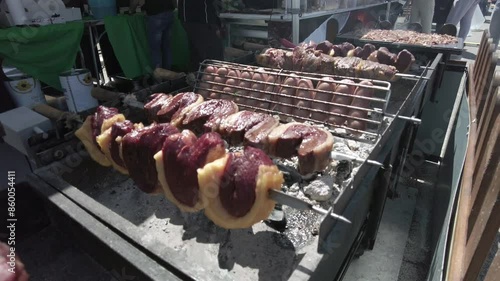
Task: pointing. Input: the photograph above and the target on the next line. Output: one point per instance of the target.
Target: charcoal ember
(320, 189)
(277, 219)
(343, 171)
(139, 148)
(404, 61)
(290, 175)
(325, 47)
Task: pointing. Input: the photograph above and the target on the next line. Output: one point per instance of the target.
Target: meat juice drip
(174, 107)
(101, 114)
(237, 188)
(138, 149)
(119, 129)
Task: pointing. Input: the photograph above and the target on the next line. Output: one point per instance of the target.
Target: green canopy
(128, 37)
(42, 52)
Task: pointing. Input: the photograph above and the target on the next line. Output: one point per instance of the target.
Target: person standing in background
(160, 17)
(422, 11)
(462, 12)
(495, 24)
(203, 27)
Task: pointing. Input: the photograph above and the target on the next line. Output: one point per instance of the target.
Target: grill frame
(338, 239)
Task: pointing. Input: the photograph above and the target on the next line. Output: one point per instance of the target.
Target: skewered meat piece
(357, 67)
(110, 143)
(220, 78)
(208, 76)
(93, 126)
(346, 66)
(383, 55)
(312, 145)
(272, 86)
(288, 91)
(258, 75)
(342, 96)
(325, 47)
(362, 53)
(306, 91)
(206, 116)
(174, 109)
(156, 102)
(237, 188)
(327, 84)
(232, 80)
(241, 127)
(244, 84)
(178, 162)
(165, 108)
(404, 61)
(363, 103)
(138, 150)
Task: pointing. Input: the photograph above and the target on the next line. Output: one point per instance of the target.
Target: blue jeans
(159, 39)
(495, 24)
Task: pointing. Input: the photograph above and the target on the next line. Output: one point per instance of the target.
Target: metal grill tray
(455, 49)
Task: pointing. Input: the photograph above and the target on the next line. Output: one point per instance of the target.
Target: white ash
(235, 148)
(353, 145)
(320, 189)
(344, 149)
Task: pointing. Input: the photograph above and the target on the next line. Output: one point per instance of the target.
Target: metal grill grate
(251, 96)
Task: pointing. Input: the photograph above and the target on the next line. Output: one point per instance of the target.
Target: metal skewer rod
(285, 199)
(341, 156)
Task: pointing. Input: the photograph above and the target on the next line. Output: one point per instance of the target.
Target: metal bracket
(294, 11)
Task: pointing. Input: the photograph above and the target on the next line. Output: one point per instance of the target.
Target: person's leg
(427, 14)
(415, 12)
(154, 39)
(166, 50)
(458, 11)
(192, 31)
(466, 22)
(495, 24)
(216, 50)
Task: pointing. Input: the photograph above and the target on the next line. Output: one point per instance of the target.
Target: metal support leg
(295, 21)
(94, 56)
(388, 12)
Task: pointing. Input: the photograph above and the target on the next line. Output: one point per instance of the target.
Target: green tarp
(42, 52)
(127, 34)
